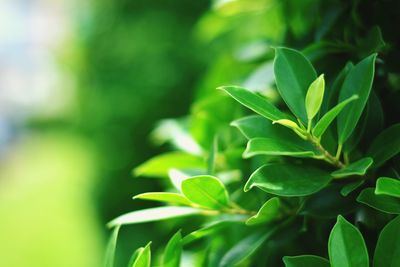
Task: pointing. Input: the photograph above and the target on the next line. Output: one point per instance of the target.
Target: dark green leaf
(153, 214)
(387, 251)
(254, 102)
(346, 246)
(383, 203)
(386, 145)
(348, 188)
(270, 211)
(388, 186)
(358, 82)
(279, 147)
(293, 73)
(284, 179)
(305, 261)
(359, 167)
(206, 191)
(173, 251)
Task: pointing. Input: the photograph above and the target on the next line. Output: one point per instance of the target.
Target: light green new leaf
(153, 214)
(359, 167)
(305, 261)
(387, 251)
(159, 166)
(244, 249)
(358, 82)
(386, 145)
(328, 118)
(289, 180)
(142, 257)
(388, 186)
(382, 203)
(164, 197)
(254, 102)
(206, 191)
(346, 246)
(314, 97)
(293, 73)
(173, 251)
(269, 212)
(111, 246)
(279, 147)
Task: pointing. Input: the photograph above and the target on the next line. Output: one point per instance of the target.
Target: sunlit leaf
(314, 97)
(269, 212)
(168, 197)
(173, 251)
(142, 257)
(111, 246)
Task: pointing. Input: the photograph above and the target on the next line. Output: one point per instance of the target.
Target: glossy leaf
(358, 82)
(326, 120)
(164, 197)
(314, 97)
(256, 126)
(293, 73)
(206, 191)
(387, 251)
(388, 186)
(305, 261)
(142, 257)
(382, 203)
(173, 251)
(350, 187)
(279, 147)
(284, 179)
(359, 167)
(111, 246)
(346, 246)
(270, 211)
(254, 102)
(386, 145)
(153, 214)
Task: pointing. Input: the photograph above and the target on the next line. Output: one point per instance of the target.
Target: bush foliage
(296, 163)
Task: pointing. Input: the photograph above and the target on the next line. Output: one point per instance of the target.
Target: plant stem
(325, 153)
(339, 151)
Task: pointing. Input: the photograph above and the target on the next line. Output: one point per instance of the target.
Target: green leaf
(305, 261)
(111, 246)
(358, 82)
(244, 249)
(348, 188)
(269, 212)
(285, 179)
(142, 257)
(293, 73)
(257, 126)
(254, 102)
(359, 167)
(382, 203)
(314, 97)
(173, 251)
(164, 197)
(153, 214)
(327, 119)
(346, 246)
(388, 186)
(161, 164)
(387, 251)
(279, 147)
(206, 191)
(386, 145)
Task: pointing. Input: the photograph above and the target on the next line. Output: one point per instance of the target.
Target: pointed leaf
(269, 212)
(387, 251)
(386, 145)
(314, 97)
(382, 203)
(111, 246)
(254, 102)
(279, 147)
(358, 82)
(359, 167)
(328, 118)
(293, 73)
(153, 214)
(305, 261)
(348, 188)
(143, 257)
(206, 191)
(173, 251)
(346, 246)
(388, 186)
(285, 179)
(164, 197)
